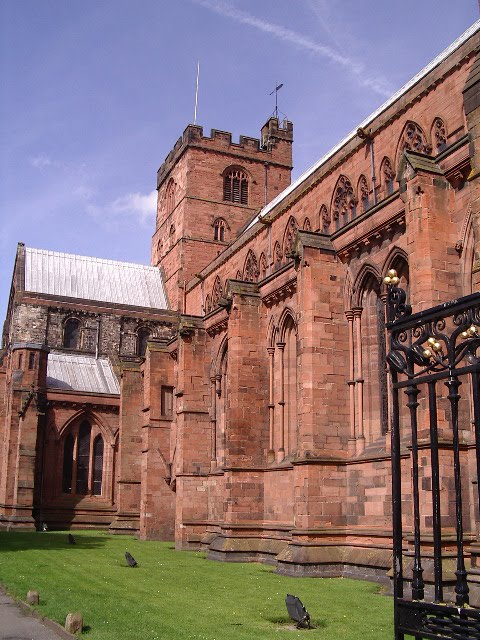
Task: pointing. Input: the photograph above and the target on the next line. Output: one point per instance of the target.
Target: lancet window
(388, 175)
(439, 135)
(83, 457)
(71, 333)
(344, 203)
(219, 229)
(414, 139)
(143, 335)
(250, 272)
(363, 193)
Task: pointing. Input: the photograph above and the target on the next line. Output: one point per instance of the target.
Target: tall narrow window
(143, 335)
(31, 361)
(235, 186)
(67, 463)
(167, 401)
(219, 229)
(97, 466)
(71, 333)
(83, 458)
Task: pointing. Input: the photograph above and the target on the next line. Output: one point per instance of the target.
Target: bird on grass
(130, 560)
(71, 539)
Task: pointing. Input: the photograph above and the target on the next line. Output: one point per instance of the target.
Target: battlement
(262, 149)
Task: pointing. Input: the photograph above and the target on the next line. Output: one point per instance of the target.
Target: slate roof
(81, 373)
(69, 275)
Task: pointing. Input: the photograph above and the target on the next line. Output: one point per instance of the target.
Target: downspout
(265, 190)
(202, 289)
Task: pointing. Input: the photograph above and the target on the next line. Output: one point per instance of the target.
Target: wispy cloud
(301, 41)
(42, 161)
(137, 206)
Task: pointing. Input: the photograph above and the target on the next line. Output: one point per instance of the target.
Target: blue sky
(96, 92)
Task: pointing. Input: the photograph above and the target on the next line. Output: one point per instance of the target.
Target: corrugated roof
(65, 274)
(398, 94)
(81, 373)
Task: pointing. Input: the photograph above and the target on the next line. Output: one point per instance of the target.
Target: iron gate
(434, 362)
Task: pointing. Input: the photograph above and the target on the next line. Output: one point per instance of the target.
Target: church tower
(208, 189)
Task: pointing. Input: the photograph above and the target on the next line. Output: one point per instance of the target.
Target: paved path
(15, 624)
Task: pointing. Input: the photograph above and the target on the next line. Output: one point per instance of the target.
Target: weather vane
(275, 91)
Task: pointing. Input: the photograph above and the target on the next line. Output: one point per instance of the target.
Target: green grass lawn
(176, 595)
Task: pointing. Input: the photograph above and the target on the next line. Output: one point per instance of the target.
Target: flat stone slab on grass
(18, 625)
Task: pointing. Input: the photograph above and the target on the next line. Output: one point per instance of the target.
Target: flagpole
(196, 94)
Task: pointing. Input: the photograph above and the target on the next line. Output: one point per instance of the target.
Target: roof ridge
(468, 33)
(91, 258)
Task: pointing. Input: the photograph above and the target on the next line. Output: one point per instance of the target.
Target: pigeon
(44, 527)
(130, 560)
(71, 539)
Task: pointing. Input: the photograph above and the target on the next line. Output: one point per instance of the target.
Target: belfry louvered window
(235, 186)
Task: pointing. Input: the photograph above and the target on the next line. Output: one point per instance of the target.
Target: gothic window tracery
(388, 175)
(344, 203)
(307, 225)
(289, 236)
(250, 272)
(238, 275)
(363, 193)
(439, 135)
(325, 219)
(217, 292)
(208, 304)
(71, 333)
(414, 139)
(219, 229)
(277, 255)
(263, 266)
(235, 186)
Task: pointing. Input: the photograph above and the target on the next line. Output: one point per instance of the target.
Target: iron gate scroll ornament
(438, 345)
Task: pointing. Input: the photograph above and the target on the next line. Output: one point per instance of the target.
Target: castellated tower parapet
(209, 187)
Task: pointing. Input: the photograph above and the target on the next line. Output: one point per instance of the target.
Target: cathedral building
(234, 396)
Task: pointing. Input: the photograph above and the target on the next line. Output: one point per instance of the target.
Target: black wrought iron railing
(435, 414)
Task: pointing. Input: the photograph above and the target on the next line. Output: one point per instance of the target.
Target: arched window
(306, 225)
(235, 186)
(439, 135)
(277, 255)
(263, 267)
(217, 292)
(289, 236)
(388, 175)
(82, 472)
(219, 228)
(283, 385)
(83, 457)
(363, 193)
(325, 219)
(343, 204)
(413, 139)
(250, 271)
(170, 197)
(68, 446)
(97, 466)
(71, 333)
(143, 335)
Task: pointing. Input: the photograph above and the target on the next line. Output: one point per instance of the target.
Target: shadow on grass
(285, 621)
(47, 541)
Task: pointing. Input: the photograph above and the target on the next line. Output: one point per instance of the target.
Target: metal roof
(398, 94)
(81, 373)
(65, 274)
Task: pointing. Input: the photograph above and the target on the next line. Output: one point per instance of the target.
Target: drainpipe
(265, 191)
(202, 289)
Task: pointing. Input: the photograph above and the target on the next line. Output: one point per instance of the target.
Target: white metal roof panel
(398, 94)
(69, 275)
(81, 373)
